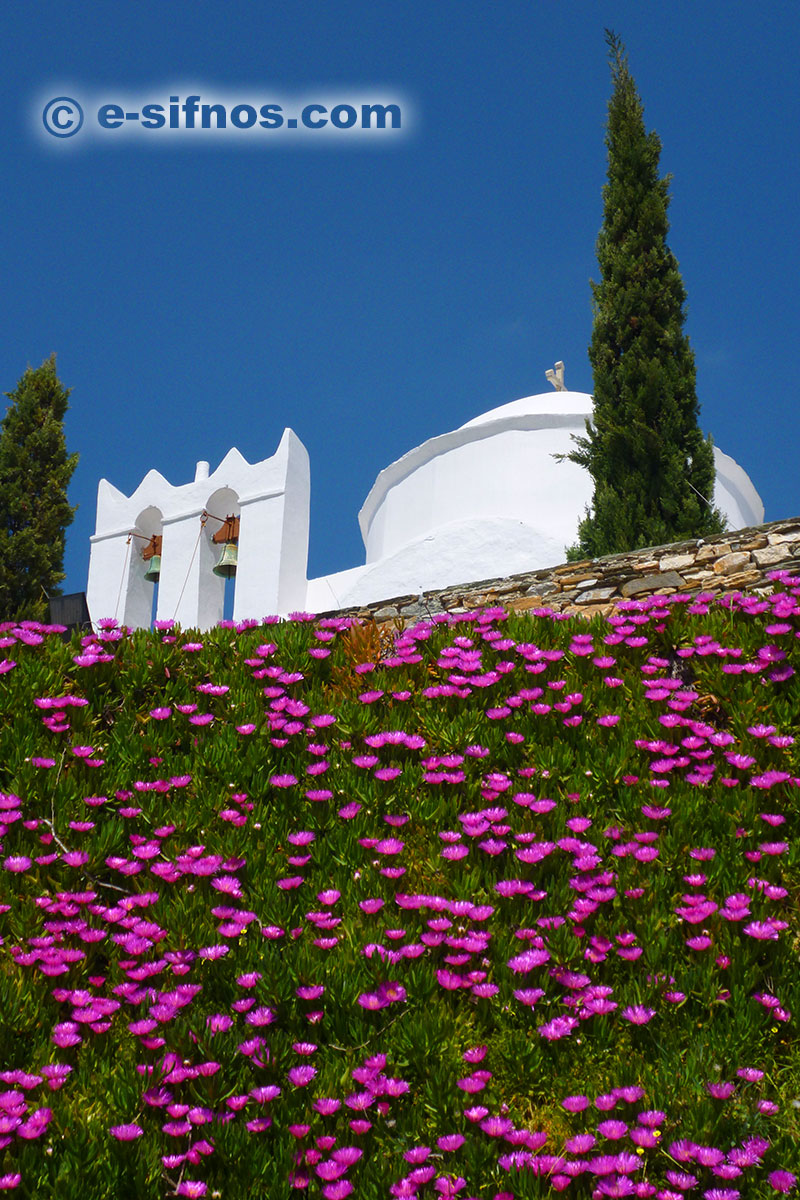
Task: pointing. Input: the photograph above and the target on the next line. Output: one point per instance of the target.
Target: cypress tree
(35, 471)
(653, 470)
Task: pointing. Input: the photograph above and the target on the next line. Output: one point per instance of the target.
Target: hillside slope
(500, 906)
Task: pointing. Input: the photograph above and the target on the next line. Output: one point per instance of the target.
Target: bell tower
(247, 521)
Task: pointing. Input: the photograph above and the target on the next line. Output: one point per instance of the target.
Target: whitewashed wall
(483, 501)
(271, 498)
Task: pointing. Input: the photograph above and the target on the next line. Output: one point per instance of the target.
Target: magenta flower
(17, 863)
(65, 1033)
(35, 1125)
(126, 1133)
(721, 1091)
(763, 930)
(301, 1076)
(260, 1016)
(581, 1144)
(652, 1118)
(338, 1190)
(497, 1126)
(638, 1014)
(782, 1181)
(372, 1001)
(218, 1023)
(614, 1130)
(708, 1156)
(559, 1027)
(681, 1179)
(475, 1054)
(475, 1082)
(528, 996)
(450, 1141)
(312, 992)
(56, 1074)
(527, 961)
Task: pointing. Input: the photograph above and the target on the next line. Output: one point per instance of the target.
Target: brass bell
(153, 572)
(226, 567)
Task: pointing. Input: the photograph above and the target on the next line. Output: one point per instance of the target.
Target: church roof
(546, 403)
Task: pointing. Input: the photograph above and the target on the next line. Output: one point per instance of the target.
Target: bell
(153, 572)
(226, 567)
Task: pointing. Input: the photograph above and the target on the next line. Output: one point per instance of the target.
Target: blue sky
(372, 293)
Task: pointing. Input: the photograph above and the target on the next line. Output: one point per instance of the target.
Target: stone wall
(729, 562)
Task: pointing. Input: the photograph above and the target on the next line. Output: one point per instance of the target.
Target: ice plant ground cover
(504, 908)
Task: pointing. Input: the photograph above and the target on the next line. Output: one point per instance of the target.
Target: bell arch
(144, 567)
(222, 504)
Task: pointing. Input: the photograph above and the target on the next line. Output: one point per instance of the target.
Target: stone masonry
(728, 562)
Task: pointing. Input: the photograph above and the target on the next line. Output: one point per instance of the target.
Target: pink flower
(638, 1014)
(17, 862)
(475, 1054)
(721, 1091)
(35, 1125)
(763, 930)
(701, 942)
(338, 1190)
(312, 992)
(581, 1144)
(126, 1133)
(612, 1129)
(559, 1027)
(782, 1181)
(301, 1076)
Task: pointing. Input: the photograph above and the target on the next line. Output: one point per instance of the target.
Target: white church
(488, 499)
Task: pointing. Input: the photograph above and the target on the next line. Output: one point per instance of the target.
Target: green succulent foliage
(617, 770)
(35, 471)
(653, 470)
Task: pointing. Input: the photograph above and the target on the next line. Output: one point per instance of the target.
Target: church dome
(497, 496)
